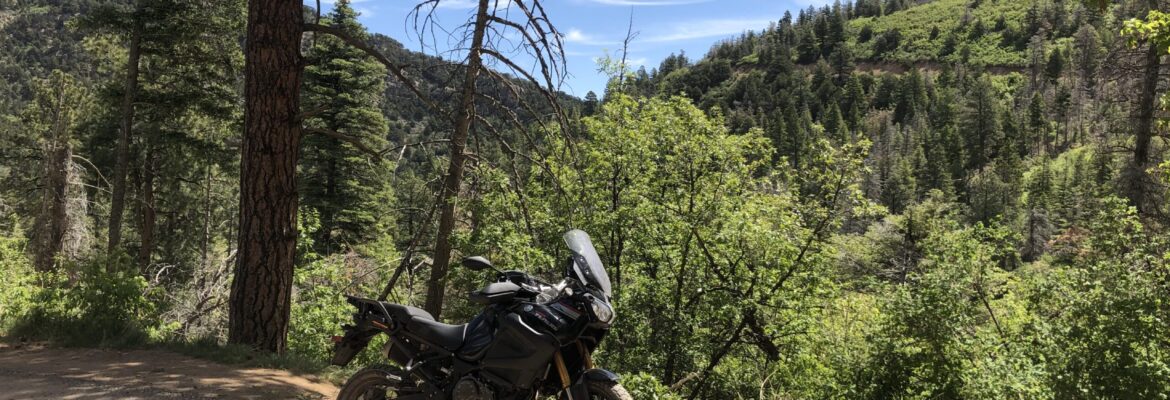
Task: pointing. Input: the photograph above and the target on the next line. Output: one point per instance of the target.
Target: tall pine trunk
(261, 290)
(464, 117)
(122, 155)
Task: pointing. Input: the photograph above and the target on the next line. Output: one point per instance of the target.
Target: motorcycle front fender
(580, 388)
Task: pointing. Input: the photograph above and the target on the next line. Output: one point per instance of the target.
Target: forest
(871, 199)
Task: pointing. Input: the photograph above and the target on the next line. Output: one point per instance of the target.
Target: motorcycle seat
(405, 313)
(449, 337)
(422, 323)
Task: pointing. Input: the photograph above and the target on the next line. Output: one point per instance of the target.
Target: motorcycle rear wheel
(376, 382)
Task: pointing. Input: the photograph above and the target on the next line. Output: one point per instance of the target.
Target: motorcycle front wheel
(607, 391)
(378, 382)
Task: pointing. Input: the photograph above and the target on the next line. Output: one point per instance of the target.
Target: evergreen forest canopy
(942, 199)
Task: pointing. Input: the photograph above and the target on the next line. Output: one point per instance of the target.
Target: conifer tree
(1088, 54)
(853, 102)
(347, 187)
(980, 123)
(590, 103)
(185, 93)
(1055, 65)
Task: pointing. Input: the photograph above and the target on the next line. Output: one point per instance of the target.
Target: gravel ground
(37, 372)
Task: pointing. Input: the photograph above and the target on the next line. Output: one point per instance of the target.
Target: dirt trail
(35, 372)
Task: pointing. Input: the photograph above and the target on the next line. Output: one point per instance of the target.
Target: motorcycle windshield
(586, 263)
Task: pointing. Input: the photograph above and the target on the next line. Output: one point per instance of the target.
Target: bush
(104, 303)
(319, 308)
(646, 386)
(17, 285)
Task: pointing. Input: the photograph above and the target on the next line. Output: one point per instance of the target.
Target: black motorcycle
(533, 340)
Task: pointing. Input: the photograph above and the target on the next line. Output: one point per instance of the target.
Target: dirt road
(34, 372)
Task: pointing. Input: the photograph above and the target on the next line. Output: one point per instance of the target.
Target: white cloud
(707, 29)
(636, 3)
(576, 36)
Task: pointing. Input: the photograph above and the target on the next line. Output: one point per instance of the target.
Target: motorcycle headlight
(602, 310)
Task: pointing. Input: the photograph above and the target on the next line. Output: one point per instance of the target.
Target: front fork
(579, 389)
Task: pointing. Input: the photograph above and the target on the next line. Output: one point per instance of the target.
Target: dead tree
(58, 105)
(485, 35)
(485, 45)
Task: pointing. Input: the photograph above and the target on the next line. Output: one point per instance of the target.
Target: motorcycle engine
(470, 388)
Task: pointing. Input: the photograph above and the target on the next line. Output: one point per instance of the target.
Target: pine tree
(854, 102)
(1055, 65)
(346, 187)
(1088, 59)
(980, 123)
(1037, 121)
(590, 103)
(262, 285)
(807, 49)
(185, 110)
(191, 72)
(911, 97)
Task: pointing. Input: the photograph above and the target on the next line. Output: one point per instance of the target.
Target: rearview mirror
(477, 263)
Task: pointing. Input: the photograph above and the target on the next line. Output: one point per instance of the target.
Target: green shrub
(646, 386)
(17, 280)
(104, 303)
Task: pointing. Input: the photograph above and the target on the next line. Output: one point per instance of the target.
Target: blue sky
(592, 27)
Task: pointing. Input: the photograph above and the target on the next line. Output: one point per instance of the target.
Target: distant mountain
(979, 32)
(945, 90)
(37, 39)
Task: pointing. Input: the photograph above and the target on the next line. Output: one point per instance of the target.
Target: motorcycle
(533, 340)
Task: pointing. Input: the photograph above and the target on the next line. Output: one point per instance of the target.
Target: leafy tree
(1153, 32)
(1109, 335)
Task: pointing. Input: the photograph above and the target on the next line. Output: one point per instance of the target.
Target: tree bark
(122, 154)
(447, 198)
(261, 289)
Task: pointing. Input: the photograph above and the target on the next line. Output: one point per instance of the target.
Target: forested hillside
(947, 199)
